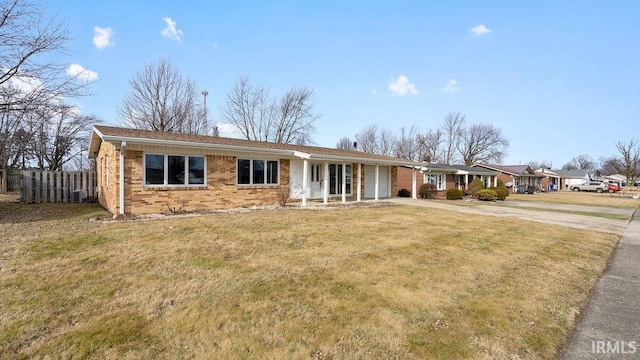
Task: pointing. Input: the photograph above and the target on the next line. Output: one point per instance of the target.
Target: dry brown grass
(359, 283)
(617, 200)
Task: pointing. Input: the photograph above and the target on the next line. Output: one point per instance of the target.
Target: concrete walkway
(609, 327)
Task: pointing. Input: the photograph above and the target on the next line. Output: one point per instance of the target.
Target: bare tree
(345, 143)
(368, 139)
(628, 163)
(407, 145)
(452, 128)
(482, 143)
(608, 165)
(386, 142)
(431, 149)
(161, 99)
(29, 43)
(251, 110)
(539, 164)
(583, 161)
(61, 134)
(294, 118)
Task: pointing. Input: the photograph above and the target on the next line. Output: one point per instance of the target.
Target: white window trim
(251, 184)
(441, 183)
(166, 171)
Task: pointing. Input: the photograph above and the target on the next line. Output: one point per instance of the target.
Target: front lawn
(345, 283)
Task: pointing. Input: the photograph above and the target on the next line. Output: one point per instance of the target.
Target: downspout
(123, 146)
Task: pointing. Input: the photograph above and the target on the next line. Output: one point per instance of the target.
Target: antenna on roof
(216, 133)
(355, 145)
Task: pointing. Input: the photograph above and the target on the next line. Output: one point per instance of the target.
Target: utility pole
(205, 124)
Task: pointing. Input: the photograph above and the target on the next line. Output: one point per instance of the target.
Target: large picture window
(174, 170)
(437, 179)
(257, 172)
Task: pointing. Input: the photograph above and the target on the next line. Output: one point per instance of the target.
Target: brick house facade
(170, 172)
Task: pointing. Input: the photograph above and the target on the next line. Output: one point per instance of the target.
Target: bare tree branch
(256, 116)
(161, 99)
(482, 143)
(453, 125)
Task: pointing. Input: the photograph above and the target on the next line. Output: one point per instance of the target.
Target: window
(173, 170)
(257, 172)
(335, 179)
(437, 179)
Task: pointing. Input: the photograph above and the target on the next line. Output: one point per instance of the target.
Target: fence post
(52, 187)
(38, 186)
(58, 186)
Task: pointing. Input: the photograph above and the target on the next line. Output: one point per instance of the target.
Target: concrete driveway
(534, 211)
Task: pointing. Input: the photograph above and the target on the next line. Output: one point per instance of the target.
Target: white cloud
(480, 30)
(452, 86)
(374, 92)
(77, 70)
(228, 130)
(402, 86)
(102, 37)
(171, 31)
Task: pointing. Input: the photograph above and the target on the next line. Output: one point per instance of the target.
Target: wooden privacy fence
(38, 186)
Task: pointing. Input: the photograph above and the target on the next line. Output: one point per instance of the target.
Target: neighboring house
(569, 178)
(447, 177)
(516, 175)
(615, 178)
(550, 179)
(144, 172)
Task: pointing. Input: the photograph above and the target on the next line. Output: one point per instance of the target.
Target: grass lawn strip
(574, 212)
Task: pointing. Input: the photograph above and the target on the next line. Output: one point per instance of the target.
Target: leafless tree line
(455, 141)
(626, 162)
(37, 126)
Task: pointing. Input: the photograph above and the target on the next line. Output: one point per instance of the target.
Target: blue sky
(560, 78)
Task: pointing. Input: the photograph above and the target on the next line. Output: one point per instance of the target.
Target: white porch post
(344, 183)
(325, 190)
(358, 191)
(413, 184)
(123, 145)
(377, 187)
(495, 181)
(305, 181)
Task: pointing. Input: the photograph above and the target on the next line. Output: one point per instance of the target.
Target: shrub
(284, 195)
(427, 191)
(474, 187)
(454, 194)
(502, 192)
(404, 193)
(486, 195)
(501, 185)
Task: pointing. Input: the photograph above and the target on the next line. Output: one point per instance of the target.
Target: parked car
(613, 187)
(590, 186)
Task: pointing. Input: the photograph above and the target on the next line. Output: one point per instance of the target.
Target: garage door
(370, 182)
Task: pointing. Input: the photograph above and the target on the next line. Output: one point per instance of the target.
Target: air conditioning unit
(77, 196)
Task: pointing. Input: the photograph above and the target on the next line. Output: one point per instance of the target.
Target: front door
(316, 181)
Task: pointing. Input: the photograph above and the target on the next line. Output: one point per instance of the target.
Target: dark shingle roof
(119, 133)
